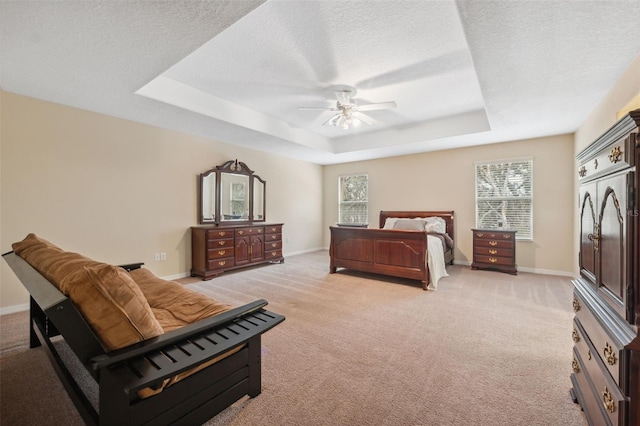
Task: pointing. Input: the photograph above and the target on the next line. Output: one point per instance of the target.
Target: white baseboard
(13, 309)
(529, 270)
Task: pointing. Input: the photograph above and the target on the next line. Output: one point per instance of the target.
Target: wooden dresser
(606, 352)
(494, 249)
(216, 249)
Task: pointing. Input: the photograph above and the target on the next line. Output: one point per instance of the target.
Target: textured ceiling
(462, 73)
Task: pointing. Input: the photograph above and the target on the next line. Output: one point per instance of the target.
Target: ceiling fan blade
(364, 118)
(344, 96)
(377, 106)
(310, 108)
(333, 119)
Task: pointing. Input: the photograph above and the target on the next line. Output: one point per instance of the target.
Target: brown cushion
(106, 296)
(174, 305)
(112, 304)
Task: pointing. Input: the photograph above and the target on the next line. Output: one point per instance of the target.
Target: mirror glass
(209, 198)
(258, 199)
(234, 197)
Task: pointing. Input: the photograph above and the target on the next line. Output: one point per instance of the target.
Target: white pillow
(435, 224)
(389, 223)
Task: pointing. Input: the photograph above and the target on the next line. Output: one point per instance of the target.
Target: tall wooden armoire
(606, 298)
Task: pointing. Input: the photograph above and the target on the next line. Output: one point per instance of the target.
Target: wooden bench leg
(255, 366)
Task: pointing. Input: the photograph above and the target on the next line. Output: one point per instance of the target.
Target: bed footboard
(383, 251)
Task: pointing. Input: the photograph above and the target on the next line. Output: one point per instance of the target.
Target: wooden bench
(121, 373)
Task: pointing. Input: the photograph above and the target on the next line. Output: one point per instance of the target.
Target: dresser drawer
(273, 245)
(255, 230)
(273, 237)
(220, 263)
(609, 350)
(219, 233)
(272, 254)
(217, 244)
(273, 229)
(219, 253)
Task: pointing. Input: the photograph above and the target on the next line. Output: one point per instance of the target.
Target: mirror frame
(232, 167)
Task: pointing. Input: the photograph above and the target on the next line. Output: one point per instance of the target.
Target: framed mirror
(231, 193)
(259, 189)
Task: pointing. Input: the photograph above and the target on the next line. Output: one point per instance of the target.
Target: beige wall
(601, 119)
(605, 114)
(120, 191)
(444, 180)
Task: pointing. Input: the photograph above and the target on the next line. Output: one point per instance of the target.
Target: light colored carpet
(486, 349)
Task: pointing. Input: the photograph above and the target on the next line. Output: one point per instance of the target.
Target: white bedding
(435, 261)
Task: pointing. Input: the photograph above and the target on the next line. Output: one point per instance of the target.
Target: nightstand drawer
(494, 260)
(494, 235)
(493, 243)
(506, 250)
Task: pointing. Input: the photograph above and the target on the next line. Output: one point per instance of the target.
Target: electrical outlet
(163, 256)
(156, 257)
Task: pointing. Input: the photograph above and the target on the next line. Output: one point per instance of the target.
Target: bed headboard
(446, 215)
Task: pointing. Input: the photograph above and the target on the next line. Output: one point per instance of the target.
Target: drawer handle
(608, 401)
(493, 243)
(274, 245)
(274, 254)
(222, 262)
(589, 355)
(506, 236)
(575, 335)
(609, 354)
(492, 251)
(259, 231)
(221, 252)
(480, 234)
(582, 172)
(575, 366)
(576, 305)
(222, 233)
(493, 260)
(615, 154)
(221, 243)
(273, 229)
(240, 232)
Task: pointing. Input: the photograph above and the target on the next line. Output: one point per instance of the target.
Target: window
(353, 197)
(504, 196)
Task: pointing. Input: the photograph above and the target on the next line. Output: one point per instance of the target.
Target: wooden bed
(394, 252)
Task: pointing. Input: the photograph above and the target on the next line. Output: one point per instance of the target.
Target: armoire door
(588, 232)
(612, 248)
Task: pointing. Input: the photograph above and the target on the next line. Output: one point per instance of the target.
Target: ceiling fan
(348, 112)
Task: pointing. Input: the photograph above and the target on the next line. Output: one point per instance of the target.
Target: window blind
(353, 199)
(504, 196)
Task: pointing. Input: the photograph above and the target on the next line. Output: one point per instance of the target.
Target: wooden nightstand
(494, 249)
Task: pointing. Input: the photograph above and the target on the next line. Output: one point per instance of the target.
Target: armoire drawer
(582, 385)
(609, 350)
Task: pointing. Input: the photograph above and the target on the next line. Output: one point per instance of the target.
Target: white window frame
(498, 223)
(342, 202)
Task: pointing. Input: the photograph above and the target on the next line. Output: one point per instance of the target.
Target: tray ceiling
(461, 72)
